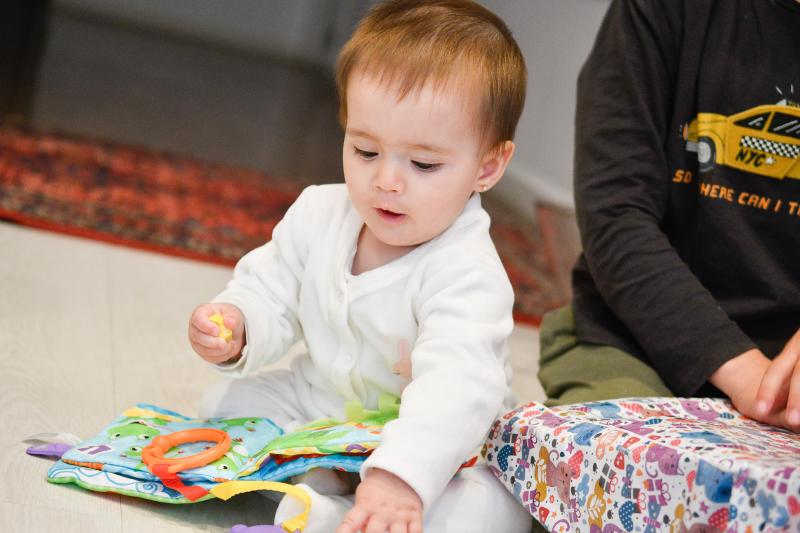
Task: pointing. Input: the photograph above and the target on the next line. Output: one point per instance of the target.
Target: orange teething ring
(153, 454)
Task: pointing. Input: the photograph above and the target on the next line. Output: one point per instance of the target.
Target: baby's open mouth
(389, 215)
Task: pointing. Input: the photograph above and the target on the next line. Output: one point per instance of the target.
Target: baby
(391, 279)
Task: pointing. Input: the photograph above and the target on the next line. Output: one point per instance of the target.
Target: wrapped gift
(651, 465)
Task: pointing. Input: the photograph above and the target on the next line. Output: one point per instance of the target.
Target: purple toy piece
(55, 449)
(241, 528)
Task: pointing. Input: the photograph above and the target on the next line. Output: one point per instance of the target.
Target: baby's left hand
(384, 502)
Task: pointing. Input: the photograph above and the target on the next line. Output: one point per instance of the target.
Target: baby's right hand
(203, 333)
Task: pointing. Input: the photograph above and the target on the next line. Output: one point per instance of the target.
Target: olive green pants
(573, 372)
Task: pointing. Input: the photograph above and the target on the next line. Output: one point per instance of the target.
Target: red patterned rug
(191, 208)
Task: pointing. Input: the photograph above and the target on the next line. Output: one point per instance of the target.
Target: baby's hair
(412, 42)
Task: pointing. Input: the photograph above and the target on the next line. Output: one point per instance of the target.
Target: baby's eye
(365, 154)
(426, 167)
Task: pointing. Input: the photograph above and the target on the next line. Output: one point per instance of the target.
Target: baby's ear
(493, 165)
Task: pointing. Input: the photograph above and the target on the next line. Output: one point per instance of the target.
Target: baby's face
(410, 165)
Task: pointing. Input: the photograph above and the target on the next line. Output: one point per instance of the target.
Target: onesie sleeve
(625, 101)
(266, 286)
(459, 379)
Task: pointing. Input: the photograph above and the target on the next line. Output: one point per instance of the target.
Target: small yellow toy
(224, 333)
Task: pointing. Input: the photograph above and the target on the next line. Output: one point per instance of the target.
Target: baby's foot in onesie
(325, 481)
(327, 512)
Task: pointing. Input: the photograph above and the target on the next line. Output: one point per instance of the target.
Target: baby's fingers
(399, 527)
(230, 322)
(205, 340)
(379, 525)
(201, 322)
(353, 521)
(212, 349)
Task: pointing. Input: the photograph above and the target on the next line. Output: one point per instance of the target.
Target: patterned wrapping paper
(651, 465)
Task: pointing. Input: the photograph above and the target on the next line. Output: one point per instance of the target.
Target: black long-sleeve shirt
(688, 264)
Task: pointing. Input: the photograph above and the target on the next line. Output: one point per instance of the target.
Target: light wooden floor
(88, 329)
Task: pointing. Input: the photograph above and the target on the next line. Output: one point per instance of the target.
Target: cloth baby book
(157, 454)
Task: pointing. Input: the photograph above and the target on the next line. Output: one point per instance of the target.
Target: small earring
(483, 188)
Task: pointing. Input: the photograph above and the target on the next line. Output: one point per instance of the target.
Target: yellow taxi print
(764, 140)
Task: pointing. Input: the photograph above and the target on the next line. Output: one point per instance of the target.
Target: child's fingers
(793, 401)
(415, 526)
(204, 339)
(212, 343)
(213, 356)
(399, 527)
(774, 388)
(777, 418)
(353, 521)
(377, 525)
(202, 323)
(230, 322)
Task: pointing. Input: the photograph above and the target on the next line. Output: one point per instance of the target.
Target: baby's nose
(389, 178)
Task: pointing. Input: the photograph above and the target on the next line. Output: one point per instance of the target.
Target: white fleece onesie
(448, 302)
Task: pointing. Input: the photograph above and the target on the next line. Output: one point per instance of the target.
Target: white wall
(555, 36)
(309, 31)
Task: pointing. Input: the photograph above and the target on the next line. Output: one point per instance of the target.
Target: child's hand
(384, 502)
(741, 379)
(203, 333)
(780, 386)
